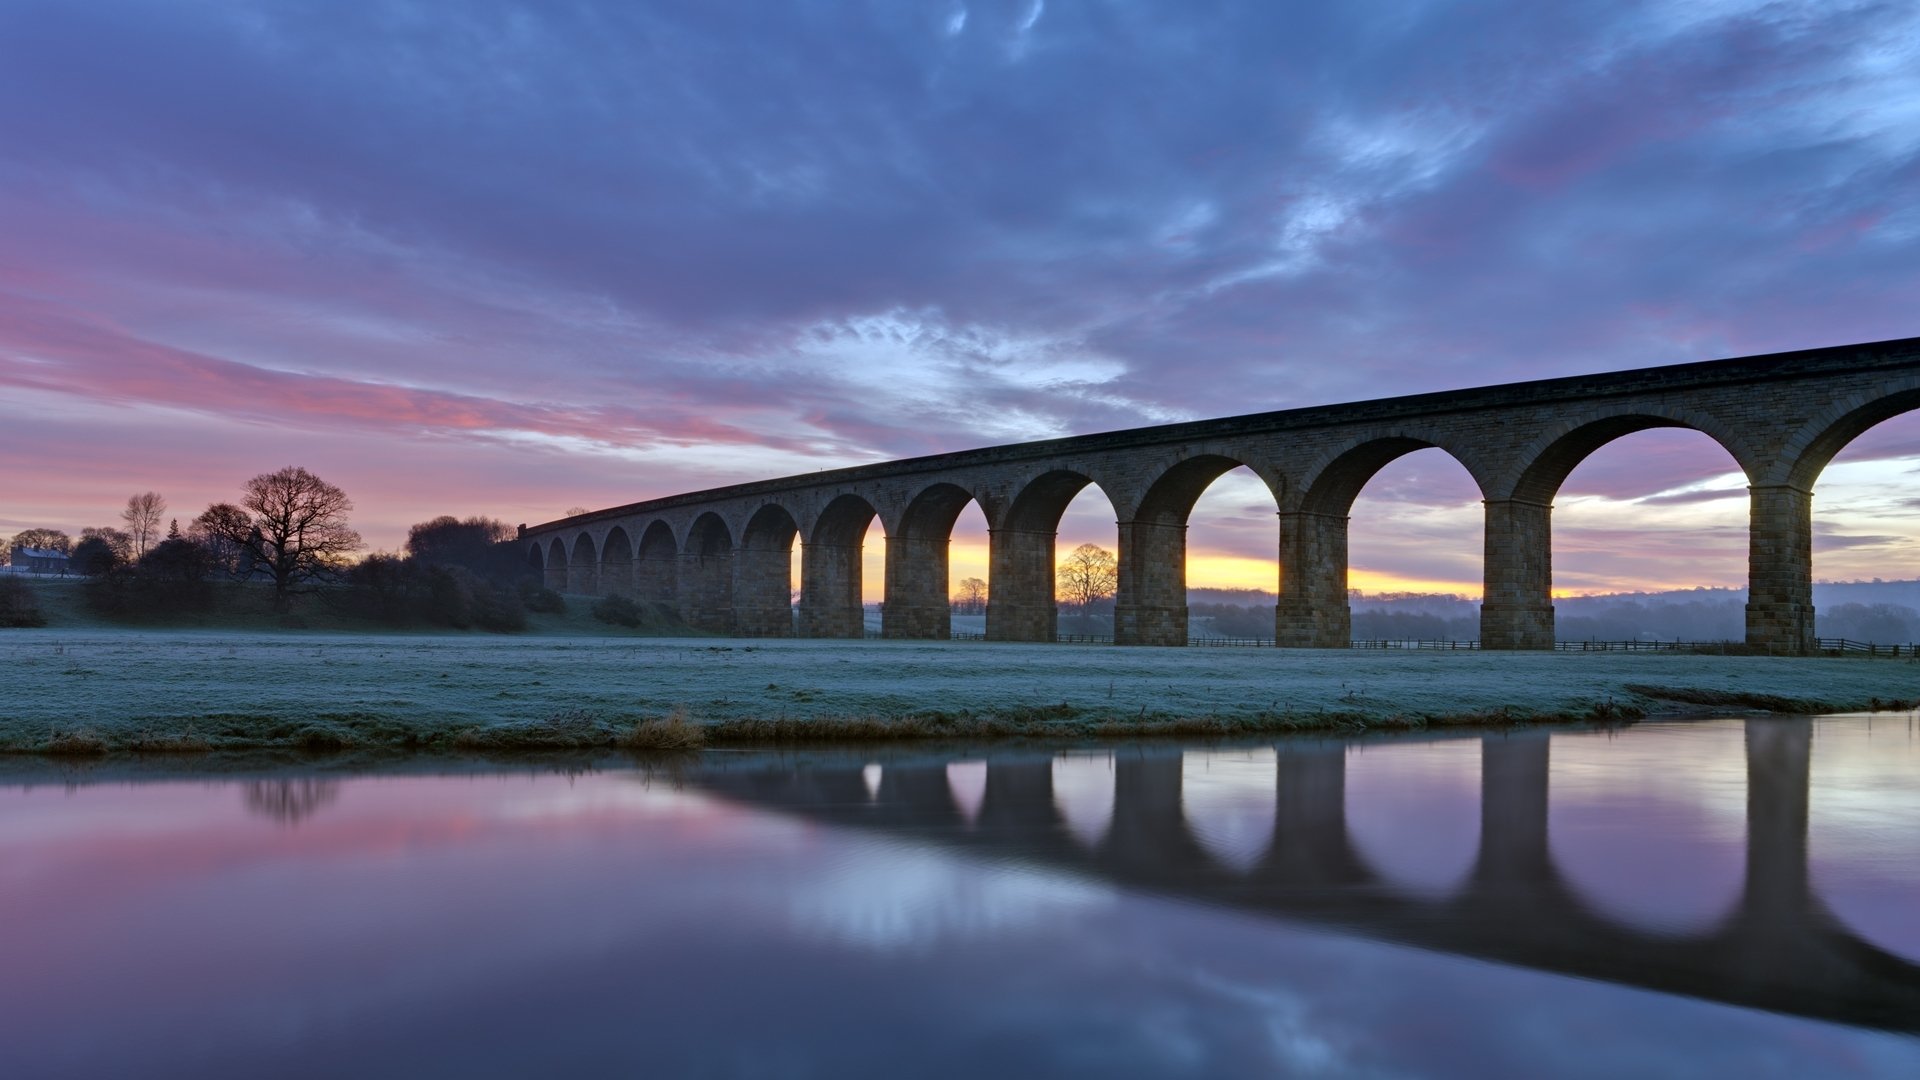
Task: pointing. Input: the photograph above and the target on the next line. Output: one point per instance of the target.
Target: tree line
(288, 532)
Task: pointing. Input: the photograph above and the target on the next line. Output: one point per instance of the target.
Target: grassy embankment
(83, 686)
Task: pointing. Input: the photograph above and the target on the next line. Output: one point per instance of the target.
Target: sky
(512, 258)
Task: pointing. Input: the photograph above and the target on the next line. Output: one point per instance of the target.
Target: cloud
(710, 244)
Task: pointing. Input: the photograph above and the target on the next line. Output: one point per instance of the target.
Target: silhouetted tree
(479, 544)
(213, 530)
(44, 540)
(120, 542)
(142, 516)
(971, 598)
(295, 530)
(173, 576)
(96, 555)
(1088, 576)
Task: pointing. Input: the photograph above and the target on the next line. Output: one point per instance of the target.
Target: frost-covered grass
(90, 691)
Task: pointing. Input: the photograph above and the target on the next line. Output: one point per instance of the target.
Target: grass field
(91, 689)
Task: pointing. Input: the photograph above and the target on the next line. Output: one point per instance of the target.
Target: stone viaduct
(721, 558)
(1779, 947)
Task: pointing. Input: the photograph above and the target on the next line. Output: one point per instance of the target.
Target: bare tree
(100, 551)
(215, 529)
(971, 599)
(289, 801)
(117, 541)
(291, 526)
(45, 540)
(1088, 575)
(142, 516)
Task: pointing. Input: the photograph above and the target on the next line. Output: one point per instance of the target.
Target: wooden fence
(1829, 646)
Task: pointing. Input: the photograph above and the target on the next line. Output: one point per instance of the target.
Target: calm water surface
(1732, 898)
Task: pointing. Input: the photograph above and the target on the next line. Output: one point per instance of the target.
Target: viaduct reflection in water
(1779, 947)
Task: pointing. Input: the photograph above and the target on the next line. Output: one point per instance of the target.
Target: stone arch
(1171, 495)
(1516, 610)
(1546, 463)
(1020, 603)
(830, 569)
(616, 563)
(917, 604)
(583, 567)
(1780, 612)
(1814, 447)
(706, 574)
(556, 576)
(1151, 608)
(763, 574)
(536, 561)
(1039, 503)
(656, 566)
(1313, 610)
(1413, 814)
(1332, 483)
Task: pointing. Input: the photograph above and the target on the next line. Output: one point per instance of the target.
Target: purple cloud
(752, 243)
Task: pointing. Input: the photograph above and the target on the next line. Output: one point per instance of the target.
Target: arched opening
(1083, 793)
(1416, 559)
(970, 571)
(763, 575)
(1422, 560)
(537, 563)
(1651, 830)
(1229, 801)
(921, 598)
(967, 780)
(1155, 561)
(873, 579)
(1053, 516)
(1649, 537)
(1864, 525)
(656, 569)
(556, 565)
(583, 567)
(1414, 811)
(616, 564)
(1232, 563)
(1863, 828)
(706, 575)
(832, 603)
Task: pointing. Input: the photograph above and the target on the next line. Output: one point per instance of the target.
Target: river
(1705, 898)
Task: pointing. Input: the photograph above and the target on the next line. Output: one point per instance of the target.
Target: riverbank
(101, 691)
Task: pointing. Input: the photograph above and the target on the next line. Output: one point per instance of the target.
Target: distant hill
(1878, 611)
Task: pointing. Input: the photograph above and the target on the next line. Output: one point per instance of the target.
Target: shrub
(399, 591)
(94, 557)
(498, 609)
(618, 610)
(17, 604)
(171, 579)
(539, 598)
(383, 588)
(449, 599)
(672, 733)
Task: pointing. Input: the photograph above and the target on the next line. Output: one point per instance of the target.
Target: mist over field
(1884, 612)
